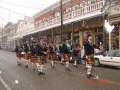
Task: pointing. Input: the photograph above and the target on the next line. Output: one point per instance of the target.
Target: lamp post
(61, 21)
(109, 28)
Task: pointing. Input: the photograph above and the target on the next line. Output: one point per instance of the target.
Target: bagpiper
(89, 54)
(41, 58)
(27, 53)
(52, 53)
(18, 50)
(34, 54)
(67, 51)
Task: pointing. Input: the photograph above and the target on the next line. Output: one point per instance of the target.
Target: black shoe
(33, 68)
(85, 67)
(91, 75)
(75, 66)
(88, 75)
(42, 73)
(62, 64)
(39, 73)
(69, 69)
(19, 64)
(26, 66)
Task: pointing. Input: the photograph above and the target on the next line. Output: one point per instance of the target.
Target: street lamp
(109, 28)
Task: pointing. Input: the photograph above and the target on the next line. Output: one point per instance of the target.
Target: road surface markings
(4, 83)
(74, 73)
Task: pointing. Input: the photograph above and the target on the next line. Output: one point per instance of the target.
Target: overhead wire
(19, 5)
(3, 19)
(13, 11)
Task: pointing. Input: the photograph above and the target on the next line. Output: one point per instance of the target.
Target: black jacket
(52, 51)
(18, 49)
(33, 50)
(41, 49)
(61, 49)
(89, 48)
(26, 48)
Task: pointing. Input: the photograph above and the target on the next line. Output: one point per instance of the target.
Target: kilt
(52, 57)
(18, 54)
(66, 57)
(33, 59)
(75, 58)
(44, 59)
(41, 59)
(27, 56)
(90, 59)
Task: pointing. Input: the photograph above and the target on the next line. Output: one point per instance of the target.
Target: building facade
(18, 33)
(79, 17)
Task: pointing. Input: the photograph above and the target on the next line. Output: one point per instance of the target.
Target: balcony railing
(73, 14)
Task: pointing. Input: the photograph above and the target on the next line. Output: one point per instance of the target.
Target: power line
(19, 5)
(13, 11)
(3, 19)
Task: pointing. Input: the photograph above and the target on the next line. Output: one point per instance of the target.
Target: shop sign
(114, 10)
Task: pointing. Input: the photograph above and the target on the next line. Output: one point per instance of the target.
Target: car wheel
(97, 63)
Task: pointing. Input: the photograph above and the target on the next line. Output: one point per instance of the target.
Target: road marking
(78, 74)
(4, 83)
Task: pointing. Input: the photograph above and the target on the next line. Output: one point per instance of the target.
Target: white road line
(4, 83)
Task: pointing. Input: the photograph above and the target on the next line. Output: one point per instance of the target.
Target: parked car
(111, 58)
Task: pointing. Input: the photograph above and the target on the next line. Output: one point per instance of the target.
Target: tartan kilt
(75, 58)
(18, 54)
(43, 59)
(52, 57)
(90, 59)
(66, 57)
(33, 59)
(27, 56)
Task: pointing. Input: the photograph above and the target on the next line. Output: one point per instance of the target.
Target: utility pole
(61, 21)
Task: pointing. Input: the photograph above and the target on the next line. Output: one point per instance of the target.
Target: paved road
(14, 77)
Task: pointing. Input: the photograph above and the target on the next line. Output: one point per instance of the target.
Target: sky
(7, 15)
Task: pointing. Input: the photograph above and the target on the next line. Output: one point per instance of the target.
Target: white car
(111, 58)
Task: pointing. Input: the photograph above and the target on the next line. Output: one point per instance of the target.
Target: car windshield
(111, 53)
(117, 54)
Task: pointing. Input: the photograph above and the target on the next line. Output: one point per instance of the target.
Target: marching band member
(67, 51)
(18, 50)
(42, 54)
(27, 52)
(52, 52)
(33, 54)
(61, 49)
(89, 52)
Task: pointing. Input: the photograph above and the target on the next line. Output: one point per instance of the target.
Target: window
(114, 2)
(68, 11)
(75, 10)
(112, 53)
(83, 7)
(117, 54)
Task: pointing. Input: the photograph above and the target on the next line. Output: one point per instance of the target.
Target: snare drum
(22, 54)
